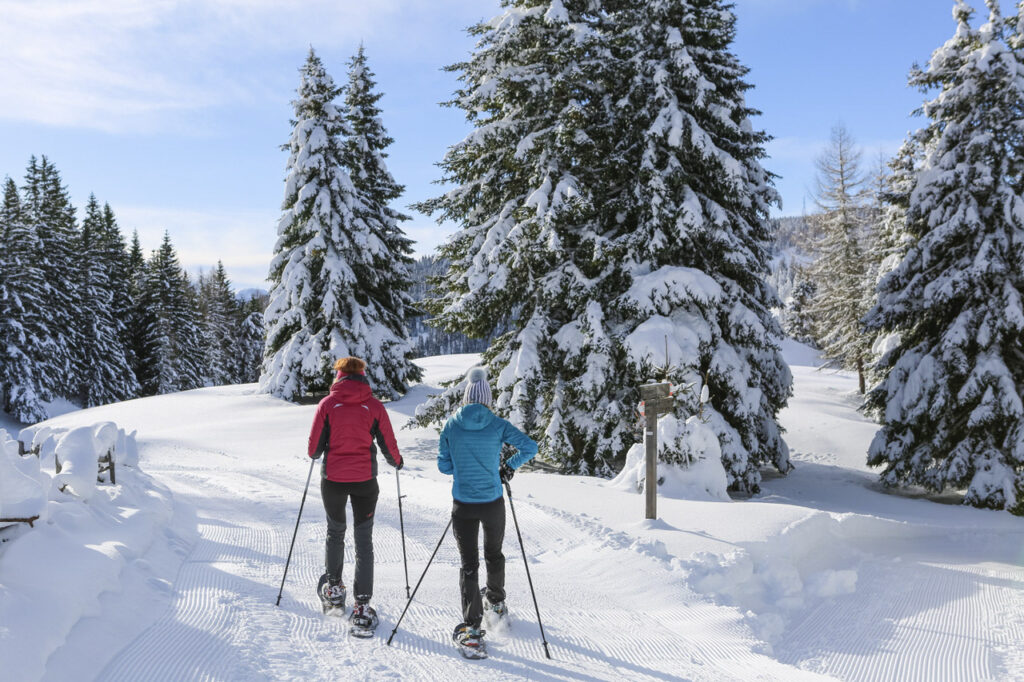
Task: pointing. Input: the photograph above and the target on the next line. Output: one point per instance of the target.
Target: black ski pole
(401, 524)
(525, 563)
(420, 581)
(301, 505)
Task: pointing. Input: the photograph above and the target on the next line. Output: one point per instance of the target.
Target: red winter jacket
(346, 424)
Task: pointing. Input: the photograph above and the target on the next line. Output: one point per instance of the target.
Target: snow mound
(22, 489)
(78, 454)
(813, 559)
(702, 478)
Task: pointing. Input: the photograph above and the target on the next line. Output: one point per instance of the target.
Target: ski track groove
(205, 633)
(941, 627)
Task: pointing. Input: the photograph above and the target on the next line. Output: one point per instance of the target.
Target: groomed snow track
(919, 591)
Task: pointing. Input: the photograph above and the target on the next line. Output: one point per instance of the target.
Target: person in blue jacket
(470, 450)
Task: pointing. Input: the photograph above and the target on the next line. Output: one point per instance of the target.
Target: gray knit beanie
(477, 390)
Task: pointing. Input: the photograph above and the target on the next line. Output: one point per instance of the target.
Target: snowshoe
(363, 621)
(332, 597)
(470, 641)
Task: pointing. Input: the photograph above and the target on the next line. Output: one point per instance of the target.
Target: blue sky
(174, 112)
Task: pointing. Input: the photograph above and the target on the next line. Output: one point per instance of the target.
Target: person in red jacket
(348, 423)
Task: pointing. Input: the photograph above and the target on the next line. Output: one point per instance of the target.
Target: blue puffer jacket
(470, 450)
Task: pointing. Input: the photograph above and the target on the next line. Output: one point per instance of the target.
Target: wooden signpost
(657, 400)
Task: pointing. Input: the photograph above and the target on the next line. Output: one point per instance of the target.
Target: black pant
(364, 503)
(466, 521)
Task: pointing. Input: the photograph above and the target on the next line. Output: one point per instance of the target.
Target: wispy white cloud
(118, 65)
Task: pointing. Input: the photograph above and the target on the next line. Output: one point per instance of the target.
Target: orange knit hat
(350, 365)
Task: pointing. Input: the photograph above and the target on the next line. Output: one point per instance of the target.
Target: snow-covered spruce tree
(23, 341)
(611, 198)
(950, 403)
(101, 368)
(529, 249)
(891, 237)
(116, 259)
(47, 208)
(137, 315)
(251, 337)
(693, 234)
(383, 262)
(799, 323)
(219, 320)
(328, 266)
(842, 269)
(172, 354)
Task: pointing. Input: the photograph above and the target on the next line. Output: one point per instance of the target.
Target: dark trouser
(466, 521)
(364, 503)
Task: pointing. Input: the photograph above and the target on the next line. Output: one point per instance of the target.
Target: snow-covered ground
(173, 574)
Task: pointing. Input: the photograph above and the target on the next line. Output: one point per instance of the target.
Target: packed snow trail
(940, 587)
(821, 577)
(234, 461)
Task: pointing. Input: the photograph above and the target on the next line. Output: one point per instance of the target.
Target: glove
(506, 473)
(400, 464)
(316, 455)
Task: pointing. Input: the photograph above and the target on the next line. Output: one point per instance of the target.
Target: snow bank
(814, 559)
(78, 456)
(79, 450)
(54, 574)
(22, 487)
(702, 477)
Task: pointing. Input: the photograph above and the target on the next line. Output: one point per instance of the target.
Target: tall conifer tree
(950, 403)
(251, 337)
(101, 367)
(115, 256)
(530, 248)
(612, 207)
(47, 208)
(383, 272)
(330, 266)
(135, 321)
(172, 354)
(219, 311)
(24, 345)
(842, 269)
(696, 235)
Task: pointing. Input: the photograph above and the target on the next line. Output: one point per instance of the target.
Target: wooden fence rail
(104, 463)
(29, 520)
(22, 450)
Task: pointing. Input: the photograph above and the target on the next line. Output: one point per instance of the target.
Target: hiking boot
(498, 608)
(363, 616)
(332, 594)
(335, 594)
(468, 636)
